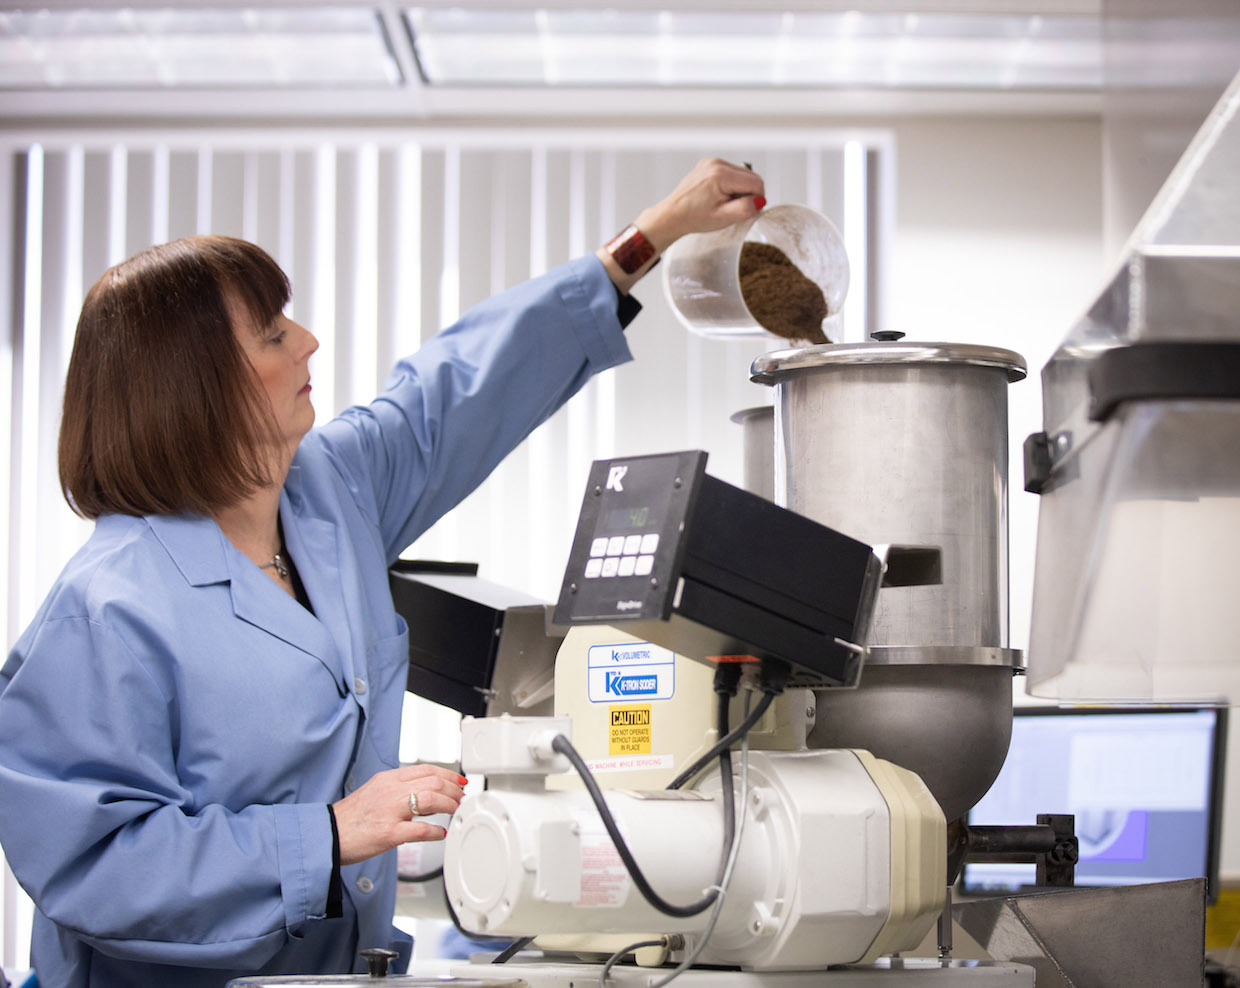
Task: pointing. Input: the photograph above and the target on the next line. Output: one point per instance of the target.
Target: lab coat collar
(204, 556)
(196, 546)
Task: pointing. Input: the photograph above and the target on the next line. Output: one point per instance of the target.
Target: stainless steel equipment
(906, 443)
(757, 449)
(1057, 934)
(951, 724)
(1140, 514)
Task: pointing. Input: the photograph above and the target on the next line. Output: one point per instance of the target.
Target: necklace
(279, 563)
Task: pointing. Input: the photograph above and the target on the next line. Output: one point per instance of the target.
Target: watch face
(630, 249)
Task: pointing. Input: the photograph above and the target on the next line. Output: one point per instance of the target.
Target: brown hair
(163, 412)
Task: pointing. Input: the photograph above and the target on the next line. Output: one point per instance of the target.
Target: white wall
(998, 242)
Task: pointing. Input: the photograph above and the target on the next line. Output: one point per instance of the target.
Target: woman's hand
(715, 194)
(378, 815)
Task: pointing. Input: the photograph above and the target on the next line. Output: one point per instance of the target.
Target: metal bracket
(1162, 370)
(1037, 462)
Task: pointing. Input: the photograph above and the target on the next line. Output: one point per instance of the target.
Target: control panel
(624, 552)
(687, 561)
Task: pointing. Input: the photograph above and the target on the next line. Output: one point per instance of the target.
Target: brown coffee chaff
(779, 295)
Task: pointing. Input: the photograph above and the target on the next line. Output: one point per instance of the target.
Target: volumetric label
(632, 671)
(629, 730)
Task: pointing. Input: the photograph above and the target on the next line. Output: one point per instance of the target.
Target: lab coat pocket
(387, 664)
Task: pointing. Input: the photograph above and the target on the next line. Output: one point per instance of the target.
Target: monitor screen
(1144, 785)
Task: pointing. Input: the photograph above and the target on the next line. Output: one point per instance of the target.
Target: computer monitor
(1144, 784)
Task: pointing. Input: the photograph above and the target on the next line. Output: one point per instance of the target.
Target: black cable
(447, 901)
(565, 747)
(773, 677)
(724, 743)
(726, 791)
(470, 935)
(429, 876)
(505, 955)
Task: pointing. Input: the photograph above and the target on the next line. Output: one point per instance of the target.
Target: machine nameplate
(604, 880)
(630, 671)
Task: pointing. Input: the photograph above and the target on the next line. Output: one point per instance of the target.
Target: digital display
(626, 518)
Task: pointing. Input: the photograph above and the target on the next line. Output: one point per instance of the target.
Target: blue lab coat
(172, 724)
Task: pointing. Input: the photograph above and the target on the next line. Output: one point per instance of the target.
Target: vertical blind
(386, 239)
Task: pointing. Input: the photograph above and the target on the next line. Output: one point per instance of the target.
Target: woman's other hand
(715, 194)
(378, 815)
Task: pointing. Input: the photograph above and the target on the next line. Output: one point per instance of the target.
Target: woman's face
(280, 354)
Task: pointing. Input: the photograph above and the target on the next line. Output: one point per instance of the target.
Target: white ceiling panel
(441, 59)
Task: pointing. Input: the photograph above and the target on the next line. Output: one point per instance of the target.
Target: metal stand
(913, 972)
(945, 927)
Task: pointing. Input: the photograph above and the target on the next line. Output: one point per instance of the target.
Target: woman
(199, 730)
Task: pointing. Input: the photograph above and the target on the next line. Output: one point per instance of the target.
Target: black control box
(668, 553)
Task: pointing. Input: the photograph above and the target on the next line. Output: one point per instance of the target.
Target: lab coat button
(359, 685)
(365, 885)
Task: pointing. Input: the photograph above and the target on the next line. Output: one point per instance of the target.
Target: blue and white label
(631, 671)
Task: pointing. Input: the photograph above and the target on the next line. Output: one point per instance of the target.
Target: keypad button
(627, 564)
(632, 545)
(610, 565)
(650, 542)
(593, 568)
(643, 566)
(615, 545)
(598, 547)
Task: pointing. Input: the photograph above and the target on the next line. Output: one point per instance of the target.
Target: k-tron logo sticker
(614, 477)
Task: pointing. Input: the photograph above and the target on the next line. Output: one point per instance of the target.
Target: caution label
(630, 732)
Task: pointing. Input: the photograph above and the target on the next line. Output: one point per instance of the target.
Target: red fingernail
(759, 201)
(462, 780)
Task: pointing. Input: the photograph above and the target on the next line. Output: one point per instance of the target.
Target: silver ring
(413, 803)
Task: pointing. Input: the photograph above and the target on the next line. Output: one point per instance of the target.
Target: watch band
(631, 249)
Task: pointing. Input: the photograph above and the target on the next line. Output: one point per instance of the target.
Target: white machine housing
(840, 861)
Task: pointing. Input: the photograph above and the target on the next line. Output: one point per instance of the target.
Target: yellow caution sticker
(629, 732)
